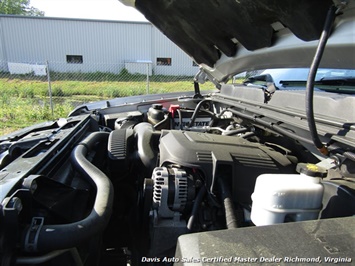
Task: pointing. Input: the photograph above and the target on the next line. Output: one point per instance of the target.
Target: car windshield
(332, 80)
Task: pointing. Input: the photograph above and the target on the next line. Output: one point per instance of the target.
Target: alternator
(170, 191)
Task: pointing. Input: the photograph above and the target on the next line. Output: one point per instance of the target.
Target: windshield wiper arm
(336, 81)
(329, 81)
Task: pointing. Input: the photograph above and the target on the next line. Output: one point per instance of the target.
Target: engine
(134, 181)
(185, 164)
(199, 172)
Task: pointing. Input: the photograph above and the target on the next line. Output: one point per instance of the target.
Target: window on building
(74, 59)
(164, 61)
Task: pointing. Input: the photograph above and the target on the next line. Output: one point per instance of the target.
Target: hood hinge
(201, 77)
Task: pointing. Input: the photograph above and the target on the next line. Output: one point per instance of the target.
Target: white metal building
(82, 45)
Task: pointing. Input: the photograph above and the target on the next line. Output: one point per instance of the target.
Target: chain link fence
(35, 92)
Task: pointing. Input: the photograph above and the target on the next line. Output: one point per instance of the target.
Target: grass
(30, 89)
(16, 112)
(24, 100)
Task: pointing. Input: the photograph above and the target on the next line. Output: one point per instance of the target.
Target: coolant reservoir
(294, 197)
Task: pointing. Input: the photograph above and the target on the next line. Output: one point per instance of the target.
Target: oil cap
(311, 169)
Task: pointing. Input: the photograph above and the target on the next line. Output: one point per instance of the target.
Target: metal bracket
(33, 233)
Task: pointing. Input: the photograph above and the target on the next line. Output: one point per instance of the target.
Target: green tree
(19, 7)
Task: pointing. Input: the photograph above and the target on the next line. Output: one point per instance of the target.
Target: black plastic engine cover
(218, 156)
(301, 243)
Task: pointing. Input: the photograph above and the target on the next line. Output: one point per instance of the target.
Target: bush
(27, 93)
(57, 92)
(115, 93)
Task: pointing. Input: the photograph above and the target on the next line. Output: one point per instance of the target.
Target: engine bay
(114, 185)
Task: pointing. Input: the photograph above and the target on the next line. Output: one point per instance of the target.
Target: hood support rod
(311, 79)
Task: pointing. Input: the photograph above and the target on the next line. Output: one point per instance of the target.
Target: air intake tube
(42, 238)
(145, 135)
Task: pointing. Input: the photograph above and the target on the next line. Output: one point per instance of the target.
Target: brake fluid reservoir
(294, 197)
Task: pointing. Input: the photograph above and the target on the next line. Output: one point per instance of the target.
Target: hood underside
(220, 34)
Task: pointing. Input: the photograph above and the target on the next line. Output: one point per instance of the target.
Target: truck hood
(226, 37)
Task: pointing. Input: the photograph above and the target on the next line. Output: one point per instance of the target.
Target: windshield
(333, 80)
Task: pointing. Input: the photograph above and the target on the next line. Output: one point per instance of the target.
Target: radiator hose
(43, 237)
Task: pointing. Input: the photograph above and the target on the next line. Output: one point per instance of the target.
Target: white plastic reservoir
(276, 196)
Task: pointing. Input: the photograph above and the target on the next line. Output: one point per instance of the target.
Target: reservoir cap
(311, 169)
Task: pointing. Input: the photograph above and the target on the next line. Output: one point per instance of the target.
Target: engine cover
(234, 158)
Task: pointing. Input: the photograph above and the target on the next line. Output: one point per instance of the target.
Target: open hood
(198, 177)
(227, 37)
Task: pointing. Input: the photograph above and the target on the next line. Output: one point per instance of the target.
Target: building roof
(76, 19)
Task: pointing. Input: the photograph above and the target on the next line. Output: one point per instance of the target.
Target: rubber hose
(63, 236)
(144, 133)
(197, 110)
(157, 125)
(311, 77)
(196, 207)
(231, 219)
(180, 118)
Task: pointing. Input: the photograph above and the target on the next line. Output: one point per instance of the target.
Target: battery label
(199, 122)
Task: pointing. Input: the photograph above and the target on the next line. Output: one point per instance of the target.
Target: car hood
(226, 37)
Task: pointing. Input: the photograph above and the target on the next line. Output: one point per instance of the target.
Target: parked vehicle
(257, 172)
